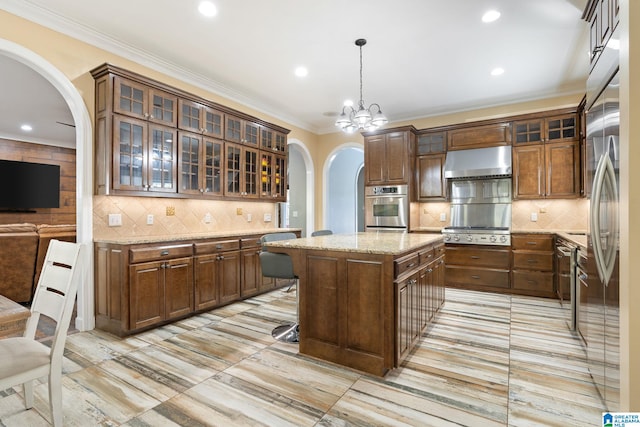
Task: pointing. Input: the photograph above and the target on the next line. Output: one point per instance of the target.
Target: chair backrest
(56, 291)
(321, 233)
(279, 266)
(274, 237)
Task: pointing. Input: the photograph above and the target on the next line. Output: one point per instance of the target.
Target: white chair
(23, 359)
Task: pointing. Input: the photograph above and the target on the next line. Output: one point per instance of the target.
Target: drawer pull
(218, 246)
(475, 257)
(532, 243)
(411, 265)
(164, 253)
(531, 261)
(475, 277)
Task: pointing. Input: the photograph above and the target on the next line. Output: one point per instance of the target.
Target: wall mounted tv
(26, 186)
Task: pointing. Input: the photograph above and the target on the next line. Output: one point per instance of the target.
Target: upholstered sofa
(22, 251)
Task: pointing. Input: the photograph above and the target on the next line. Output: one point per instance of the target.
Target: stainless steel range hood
(478, 162)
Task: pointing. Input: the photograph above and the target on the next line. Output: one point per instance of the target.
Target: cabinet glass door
(234, 157)
(130, 136)
(213, 166)
(189, 163)
(279, 177)
(266, 164)
(162, 159)
(163, 107)
(250, 172)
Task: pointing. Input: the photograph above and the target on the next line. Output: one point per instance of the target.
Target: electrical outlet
(150, 219)
(171, 210)
(115, 220)
(249, 217)
(207, 218)
(534, 216)
(443, 217)
(267, 217)
(294, 214)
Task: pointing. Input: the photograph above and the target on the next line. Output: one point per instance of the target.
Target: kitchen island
(365, 298)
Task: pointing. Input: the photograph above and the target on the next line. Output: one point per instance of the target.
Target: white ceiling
(423, 57)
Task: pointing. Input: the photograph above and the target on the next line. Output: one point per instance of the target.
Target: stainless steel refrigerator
(599, 311)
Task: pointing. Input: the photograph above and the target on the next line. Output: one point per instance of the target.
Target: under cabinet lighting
(27, 128)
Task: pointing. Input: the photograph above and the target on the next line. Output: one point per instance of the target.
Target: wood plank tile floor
(488, 360)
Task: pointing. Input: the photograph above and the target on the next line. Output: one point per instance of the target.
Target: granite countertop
(579, 239)
(372, 242)
(132, 240)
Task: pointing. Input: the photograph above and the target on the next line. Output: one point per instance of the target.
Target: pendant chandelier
(367, 119)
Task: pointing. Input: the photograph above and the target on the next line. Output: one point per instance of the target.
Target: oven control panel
(478, 238)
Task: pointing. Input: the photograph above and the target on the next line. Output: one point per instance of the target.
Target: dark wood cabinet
(479, 136)
(242, 171)
(547, 171)
(272, 140)
(144, 156)
(273, 175)
(242, 131)
(217, 270)
(603, 17)
(198, 118)
(160, 289)
(430, 181)
(546, 157)
(253, 282)
(200, 164)
(419, 295)
(532, 265)
(140, 286)
(389, 157)
(478, 267)
(144, 102)
(137, 126)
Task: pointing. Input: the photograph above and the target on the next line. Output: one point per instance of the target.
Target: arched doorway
(344, 188)
(301, 182)
(85, 319)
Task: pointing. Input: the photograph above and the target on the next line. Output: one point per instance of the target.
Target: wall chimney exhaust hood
(478, 162)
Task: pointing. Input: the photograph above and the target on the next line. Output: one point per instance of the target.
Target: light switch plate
(534, 216)
(267, 217)
(150, 219)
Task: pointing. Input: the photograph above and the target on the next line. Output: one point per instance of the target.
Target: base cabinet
(478, 267)
(533, 264)
(419, 295)
(140, 286)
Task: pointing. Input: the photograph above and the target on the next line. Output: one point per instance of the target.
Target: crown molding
(77, 30)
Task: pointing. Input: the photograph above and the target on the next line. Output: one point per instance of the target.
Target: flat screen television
(26, 186)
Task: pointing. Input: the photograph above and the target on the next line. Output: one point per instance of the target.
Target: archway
(301, 181)
(341, 188)
(85, 319)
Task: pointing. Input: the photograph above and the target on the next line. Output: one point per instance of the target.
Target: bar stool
(280, 266)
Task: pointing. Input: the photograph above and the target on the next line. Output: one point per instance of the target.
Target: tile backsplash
(565, 214)
(177, 216)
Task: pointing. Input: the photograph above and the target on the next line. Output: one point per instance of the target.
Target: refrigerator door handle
(605, 178)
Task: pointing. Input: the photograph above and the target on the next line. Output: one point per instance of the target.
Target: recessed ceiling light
(497, 71)
(491, 16)
(301, 71)
(207, 8)
(27, 128)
